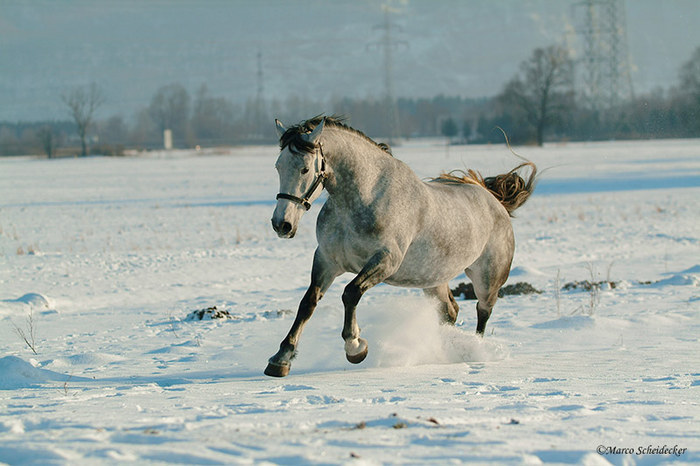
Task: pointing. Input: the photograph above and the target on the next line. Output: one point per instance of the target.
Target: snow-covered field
(108, 256)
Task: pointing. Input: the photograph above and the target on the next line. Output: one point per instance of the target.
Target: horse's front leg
(382, 265)
(322, 276)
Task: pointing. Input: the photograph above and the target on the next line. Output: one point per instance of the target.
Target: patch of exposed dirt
(466, 290)
(587, 285)
(209, 313)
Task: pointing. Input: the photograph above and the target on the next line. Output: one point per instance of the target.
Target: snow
(17, 373)
(108, 256)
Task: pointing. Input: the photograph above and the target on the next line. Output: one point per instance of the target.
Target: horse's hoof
(359, 357)
(277, 370)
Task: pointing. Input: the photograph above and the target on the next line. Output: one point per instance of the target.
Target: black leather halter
(321, 176)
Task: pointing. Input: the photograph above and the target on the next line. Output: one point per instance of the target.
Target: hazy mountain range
(312, 48)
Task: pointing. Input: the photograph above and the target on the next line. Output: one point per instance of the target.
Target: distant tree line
(541, 104)
(538, 104)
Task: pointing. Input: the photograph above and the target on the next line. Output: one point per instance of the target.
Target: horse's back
(459, 223)
(465, 208)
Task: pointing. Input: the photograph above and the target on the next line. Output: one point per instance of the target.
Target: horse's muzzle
(283, 229)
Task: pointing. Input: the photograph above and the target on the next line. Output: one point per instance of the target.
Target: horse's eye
(304, 171)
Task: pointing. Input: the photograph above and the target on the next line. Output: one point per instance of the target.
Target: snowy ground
(118, 251)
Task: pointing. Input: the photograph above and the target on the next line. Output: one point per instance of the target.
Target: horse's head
(302, 169)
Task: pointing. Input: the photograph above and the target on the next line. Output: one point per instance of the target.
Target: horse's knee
(312, 296)
(351, 295)
(308, 303)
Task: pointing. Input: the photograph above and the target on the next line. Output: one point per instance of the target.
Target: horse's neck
(356, 163)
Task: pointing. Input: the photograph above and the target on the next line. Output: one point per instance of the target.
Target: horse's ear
(314, 135)
(280, 127)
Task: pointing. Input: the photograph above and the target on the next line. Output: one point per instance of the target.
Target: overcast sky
(310, 48)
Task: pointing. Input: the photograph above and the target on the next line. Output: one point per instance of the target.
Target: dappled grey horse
(384, 224)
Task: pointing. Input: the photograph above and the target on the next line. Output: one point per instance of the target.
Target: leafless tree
(212, 118)
(543, 88)
(83, 102)
(690, 74)
(690, 88)
(48, 140)
(169, 109)
(113, 131)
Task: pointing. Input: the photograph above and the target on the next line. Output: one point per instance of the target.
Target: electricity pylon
(388, 44)
(606, 76)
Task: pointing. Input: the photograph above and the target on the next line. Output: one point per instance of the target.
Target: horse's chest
(347, 250)
(349, 242)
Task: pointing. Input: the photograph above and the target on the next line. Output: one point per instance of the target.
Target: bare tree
(212, 118)
(690, 74)
(48, 140)
(82, 103)
(113, 132)
(448, 128)
(690, 88)
(543, 88)
(169, 109)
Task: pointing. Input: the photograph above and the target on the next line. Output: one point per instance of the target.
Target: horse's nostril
(285, 228)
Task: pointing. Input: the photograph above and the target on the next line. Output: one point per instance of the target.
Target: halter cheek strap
(321, 176)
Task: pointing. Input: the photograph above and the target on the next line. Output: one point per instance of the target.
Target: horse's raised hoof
(359, 357)
(277, 370)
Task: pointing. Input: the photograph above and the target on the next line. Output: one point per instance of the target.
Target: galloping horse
(384, 224)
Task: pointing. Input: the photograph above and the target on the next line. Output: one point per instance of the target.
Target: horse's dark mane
(293, 139)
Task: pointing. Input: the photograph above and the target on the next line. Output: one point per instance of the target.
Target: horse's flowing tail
(511, 189)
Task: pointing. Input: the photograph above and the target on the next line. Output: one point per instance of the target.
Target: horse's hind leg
(488, 274)
(322, 276)
(486, 288)
(448, 307)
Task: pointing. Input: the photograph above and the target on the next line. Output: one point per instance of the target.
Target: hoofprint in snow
(103, 259)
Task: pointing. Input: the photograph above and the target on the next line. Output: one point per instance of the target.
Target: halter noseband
(321, 176)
